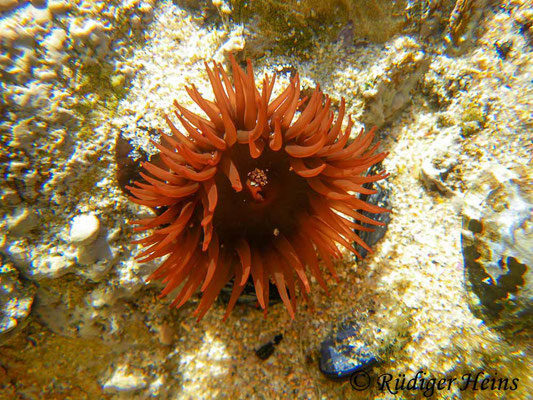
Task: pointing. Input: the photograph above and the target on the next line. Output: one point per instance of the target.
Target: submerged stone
(344, 353)
(497, 242)
(381, 199)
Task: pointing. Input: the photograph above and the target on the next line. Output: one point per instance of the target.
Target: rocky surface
(496, 239)
(449, 84)
(16, 299)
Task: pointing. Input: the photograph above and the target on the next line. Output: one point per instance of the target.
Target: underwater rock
(381, 199)
(282, 26)
(128, 166)
(90, 38)
(51, 266)
(95, 259)
(345, 352)
(497, 240)
(64, 308)
(439, 163)
(360, 341)
(125, 380)
(16, 299)
(389, 91)
(54, 44)
(463, 23)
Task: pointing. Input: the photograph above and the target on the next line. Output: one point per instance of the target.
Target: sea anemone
(246, 193)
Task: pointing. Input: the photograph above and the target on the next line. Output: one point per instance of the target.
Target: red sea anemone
(248, 193)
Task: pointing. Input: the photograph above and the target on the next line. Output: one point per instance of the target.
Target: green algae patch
(296, 25)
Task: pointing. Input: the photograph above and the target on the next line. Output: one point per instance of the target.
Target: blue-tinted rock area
(497, 243)
(344, 353)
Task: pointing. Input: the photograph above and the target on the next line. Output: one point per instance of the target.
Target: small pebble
(267, 349)
(124, 380)
(84, 229)
(166, 334)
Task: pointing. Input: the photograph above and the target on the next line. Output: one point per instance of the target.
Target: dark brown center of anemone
(271, 201)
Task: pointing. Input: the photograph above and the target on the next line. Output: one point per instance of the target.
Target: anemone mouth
(247, 194)
(264, 207)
